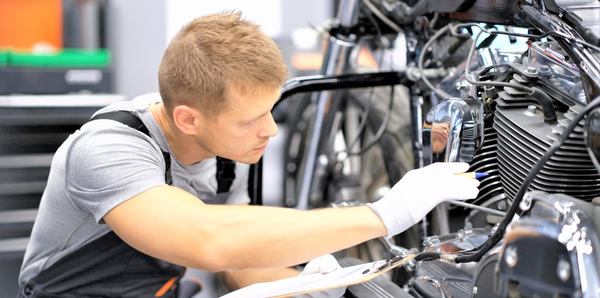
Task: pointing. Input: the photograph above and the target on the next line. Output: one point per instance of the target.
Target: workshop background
(62, 60)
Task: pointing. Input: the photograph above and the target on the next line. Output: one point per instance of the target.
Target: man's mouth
(261, 147)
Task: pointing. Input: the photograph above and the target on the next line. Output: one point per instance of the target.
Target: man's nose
(270, 128)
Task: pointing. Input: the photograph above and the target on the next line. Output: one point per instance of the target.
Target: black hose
(533, 16)
(546, 102)
(427, 256)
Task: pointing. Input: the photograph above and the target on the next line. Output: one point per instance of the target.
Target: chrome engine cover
(551, 250)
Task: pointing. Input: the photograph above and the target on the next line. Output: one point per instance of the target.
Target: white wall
(136, 37)
(138, 31)
(266, 13)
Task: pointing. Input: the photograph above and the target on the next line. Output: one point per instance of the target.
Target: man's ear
(186, 119)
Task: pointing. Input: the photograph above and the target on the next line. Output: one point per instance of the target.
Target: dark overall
(109, 267)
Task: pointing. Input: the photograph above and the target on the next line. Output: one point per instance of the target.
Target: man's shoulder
(103, 135)
(148, 98)
(106, 126)
(136, 105)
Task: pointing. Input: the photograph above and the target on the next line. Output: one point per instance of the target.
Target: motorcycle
(528, 116)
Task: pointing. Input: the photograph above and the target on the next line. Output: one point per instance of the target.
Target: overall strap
(225, 167)
(225, 174)
(134, 122)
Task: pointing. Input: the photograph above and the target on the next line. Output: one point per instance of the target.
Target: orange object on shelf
(28, 23)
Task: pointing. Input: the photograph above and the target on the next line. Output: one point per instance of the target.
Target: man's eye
(250, 123)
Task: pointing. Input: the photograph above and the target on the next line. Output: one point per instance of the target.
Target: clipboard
(318, 282)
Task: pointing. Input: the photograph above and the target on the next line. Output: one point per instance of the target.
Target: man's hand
(323, 264)
(421, 190)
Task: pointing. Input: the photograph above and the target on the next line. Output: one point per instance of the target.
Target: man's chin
(249, 159)
(253, 160)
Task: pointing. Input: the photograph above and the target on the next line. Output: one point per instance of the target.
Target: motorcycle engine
(552, 249)
(516, 134)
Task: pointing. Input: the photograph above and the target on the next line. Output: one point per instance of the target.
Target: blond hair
(216, 52)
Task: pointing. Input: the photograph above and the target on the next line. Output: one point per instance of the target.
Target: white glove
(421, 190)
(323, 264)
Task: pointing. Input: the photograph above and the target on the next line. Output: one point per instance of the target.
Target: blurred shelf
(17, 188)
(13, 245)
(60, 100)
(17, 80)
(18, 216)
(65, 58)
(26, 161)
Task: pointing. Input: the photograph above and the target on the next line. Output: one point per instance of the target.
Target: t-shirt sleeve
(108, 166)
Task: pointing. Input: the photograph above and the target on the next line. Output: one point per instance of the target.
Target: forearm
(172, 225)
(275, 237)
(243, 278)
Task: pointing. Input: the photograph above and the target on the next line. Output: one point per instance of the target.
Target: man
(108, 210)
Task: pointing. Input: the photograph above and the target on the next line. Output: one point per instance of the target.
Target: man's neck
(182, 146)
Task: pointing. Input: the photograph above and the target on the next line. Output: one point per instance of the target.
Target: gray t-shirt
(102, 165)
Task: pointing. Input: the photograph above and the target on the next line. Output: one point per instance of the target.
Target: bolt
(544, 70)
(490, 92)
(525, 203)
(531, 70)
(563, 269)
(462, 85)
(510, 256)
(531, 109)
(323, 160)
(431, 241)
(502, 205)
(414, 73)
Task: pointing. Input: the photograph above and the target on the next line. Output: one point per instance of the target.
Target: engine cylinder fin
(523, 138)
(485, 161)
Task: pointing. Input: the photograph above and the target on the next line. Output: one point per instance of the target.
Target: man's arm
(173, 225)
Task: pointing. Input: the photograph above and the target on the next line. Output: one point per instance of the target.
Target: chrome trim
(456, 130)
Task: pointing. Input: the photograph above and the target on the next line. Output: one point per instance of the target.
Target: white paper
(310, 282)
